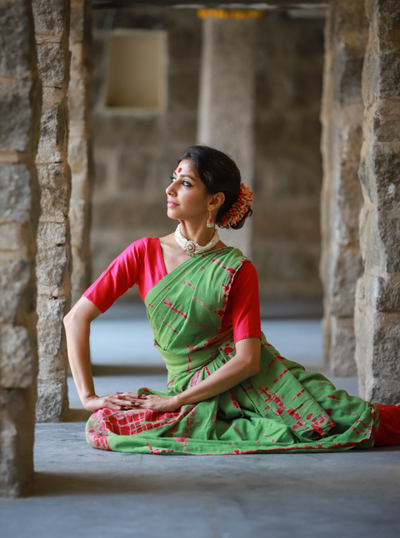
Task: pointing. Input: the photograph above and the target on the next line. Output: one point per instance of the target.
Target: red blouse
(142, 263)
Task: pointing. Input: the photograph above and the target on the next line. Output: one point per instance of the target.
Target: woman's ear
(216, 201)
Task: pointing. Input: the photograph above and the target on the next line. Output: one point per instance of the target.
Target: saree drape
(282, 408)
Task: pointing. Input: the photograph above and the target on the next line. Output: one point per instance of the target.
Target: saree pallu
(282, 408)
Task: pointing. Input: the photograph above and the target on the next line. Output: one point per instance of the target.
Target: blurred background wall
(136, 147)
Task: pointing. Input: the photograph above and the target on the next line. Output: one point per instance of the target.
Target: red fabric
(389, 428)
(142, 263)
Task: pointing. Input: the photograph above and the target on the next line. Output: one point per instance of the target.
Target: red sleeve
(121, 275)
(245, 303)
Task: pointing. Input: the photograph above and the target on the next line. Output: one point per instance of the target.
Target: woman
(229, 391)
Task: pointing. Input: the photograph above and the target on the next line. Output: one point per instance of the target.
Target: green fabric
(282, 408)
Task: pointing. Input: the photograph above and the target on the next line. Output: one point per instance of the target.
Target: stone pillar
(80, 145)
(226, 102)
(53, 257)
(377, 314)
(20, 104)
(346, 35)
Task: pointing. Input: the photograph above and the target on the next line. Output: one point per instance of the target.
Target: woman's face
(187, 195)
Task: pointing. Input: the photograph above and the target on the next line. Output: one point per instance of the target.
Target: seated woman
(229, 391)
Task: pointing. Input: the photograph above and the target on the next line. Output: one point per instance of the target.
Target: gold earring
(210, 222)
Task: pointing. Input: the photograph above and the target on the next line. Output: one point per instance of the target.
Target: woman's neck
(200, 234)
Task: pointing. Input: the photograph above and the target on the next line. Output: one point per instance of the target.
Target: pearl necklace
(190, 247)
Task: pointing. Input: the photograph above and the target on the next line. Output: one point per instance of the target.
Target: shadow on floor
(102, 370)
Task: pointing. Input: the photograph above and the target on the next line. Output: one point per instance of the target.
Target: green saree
(282, 408)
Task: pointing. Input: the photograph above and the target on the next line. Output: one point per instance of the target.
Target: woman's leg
(389, 428)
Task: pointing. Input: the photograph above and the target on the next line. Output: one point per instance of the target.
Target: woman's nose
(170, 190)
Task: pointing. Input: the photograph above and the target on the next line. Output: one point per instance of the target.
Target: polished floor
(84, 492)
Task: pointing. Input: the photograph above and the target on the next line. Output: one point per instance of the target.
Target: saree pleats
(282, 408)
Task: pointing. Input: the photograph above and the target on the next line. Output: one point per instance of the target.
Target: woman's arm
(77, 328)
(243, 365)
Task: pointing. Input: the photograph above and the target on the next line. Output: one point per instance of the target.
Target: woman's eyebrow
(185, 175)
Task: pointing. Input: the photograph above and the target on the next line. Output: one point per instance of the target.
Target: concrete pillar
(226, 102)
(80, 145)
(53, 257)
(377, 314)
(20, 104)
(346, 35)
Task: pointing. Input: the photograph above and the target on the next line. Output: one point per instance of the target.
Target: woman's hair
(219, 173)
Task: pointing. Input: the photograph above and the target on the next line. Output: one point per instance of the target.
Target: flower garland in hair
(239, 208)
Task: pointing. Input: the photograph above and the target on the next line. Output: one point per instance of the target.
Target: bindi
(179, 170)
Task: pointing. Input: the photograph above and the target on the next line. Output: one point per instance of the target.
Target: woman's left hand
(150, 401)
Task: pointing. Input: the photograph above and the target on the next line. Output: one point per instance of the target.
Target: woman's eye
(186, 183)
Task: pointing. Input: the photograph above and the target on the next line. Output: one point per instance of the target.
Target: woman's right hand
(110, 401)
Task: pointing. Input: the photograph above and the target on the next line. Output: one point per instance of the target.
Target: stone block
(53, 64)
(17, 203)
(15, 282)
(77, 27)
(52, 263)
(77, 101)
(51, 312)
(112, 131)
(14, 236)
(54, 233)
(53, 134)
(16, 441)
(78, 154)
(15, 114)
(342, 357)
(377, 347)
(381, 73)
(351, 69)
(16, 51)
(131, 214)
(343, 273)
(386, 120)
(55, 182)
(184, 42)
(17, 358)
(183, 96)
(51, 17)
(52, 401)
(349, 203)
(382, 293)
(136, 169)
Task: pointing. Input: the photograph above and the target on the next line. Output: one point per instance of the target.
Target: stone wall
(135, 154)
(20, 104)
(288, 173)
(346, 37)
(377, 313)
(53, 257)
(80, 145)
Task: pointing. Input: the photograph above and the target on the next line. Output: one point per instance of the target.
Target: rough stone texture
(287, 182)
(20, 105)
(226, 102)
(80, 145)
(17, 419)
(346, 36)
(377, 313)
(53, 258)
(136, 153)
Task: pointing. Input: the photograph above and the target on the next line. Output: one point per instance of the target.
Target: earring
(210, 222)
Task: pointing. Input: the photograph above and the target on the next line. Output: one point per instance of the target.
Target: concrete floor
(81, 491)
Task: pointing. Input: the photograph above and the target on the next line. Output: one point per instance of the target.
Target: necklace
(190, 247)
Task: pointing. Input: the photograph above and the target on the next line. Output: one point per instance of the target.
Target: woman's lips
(170, 203)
